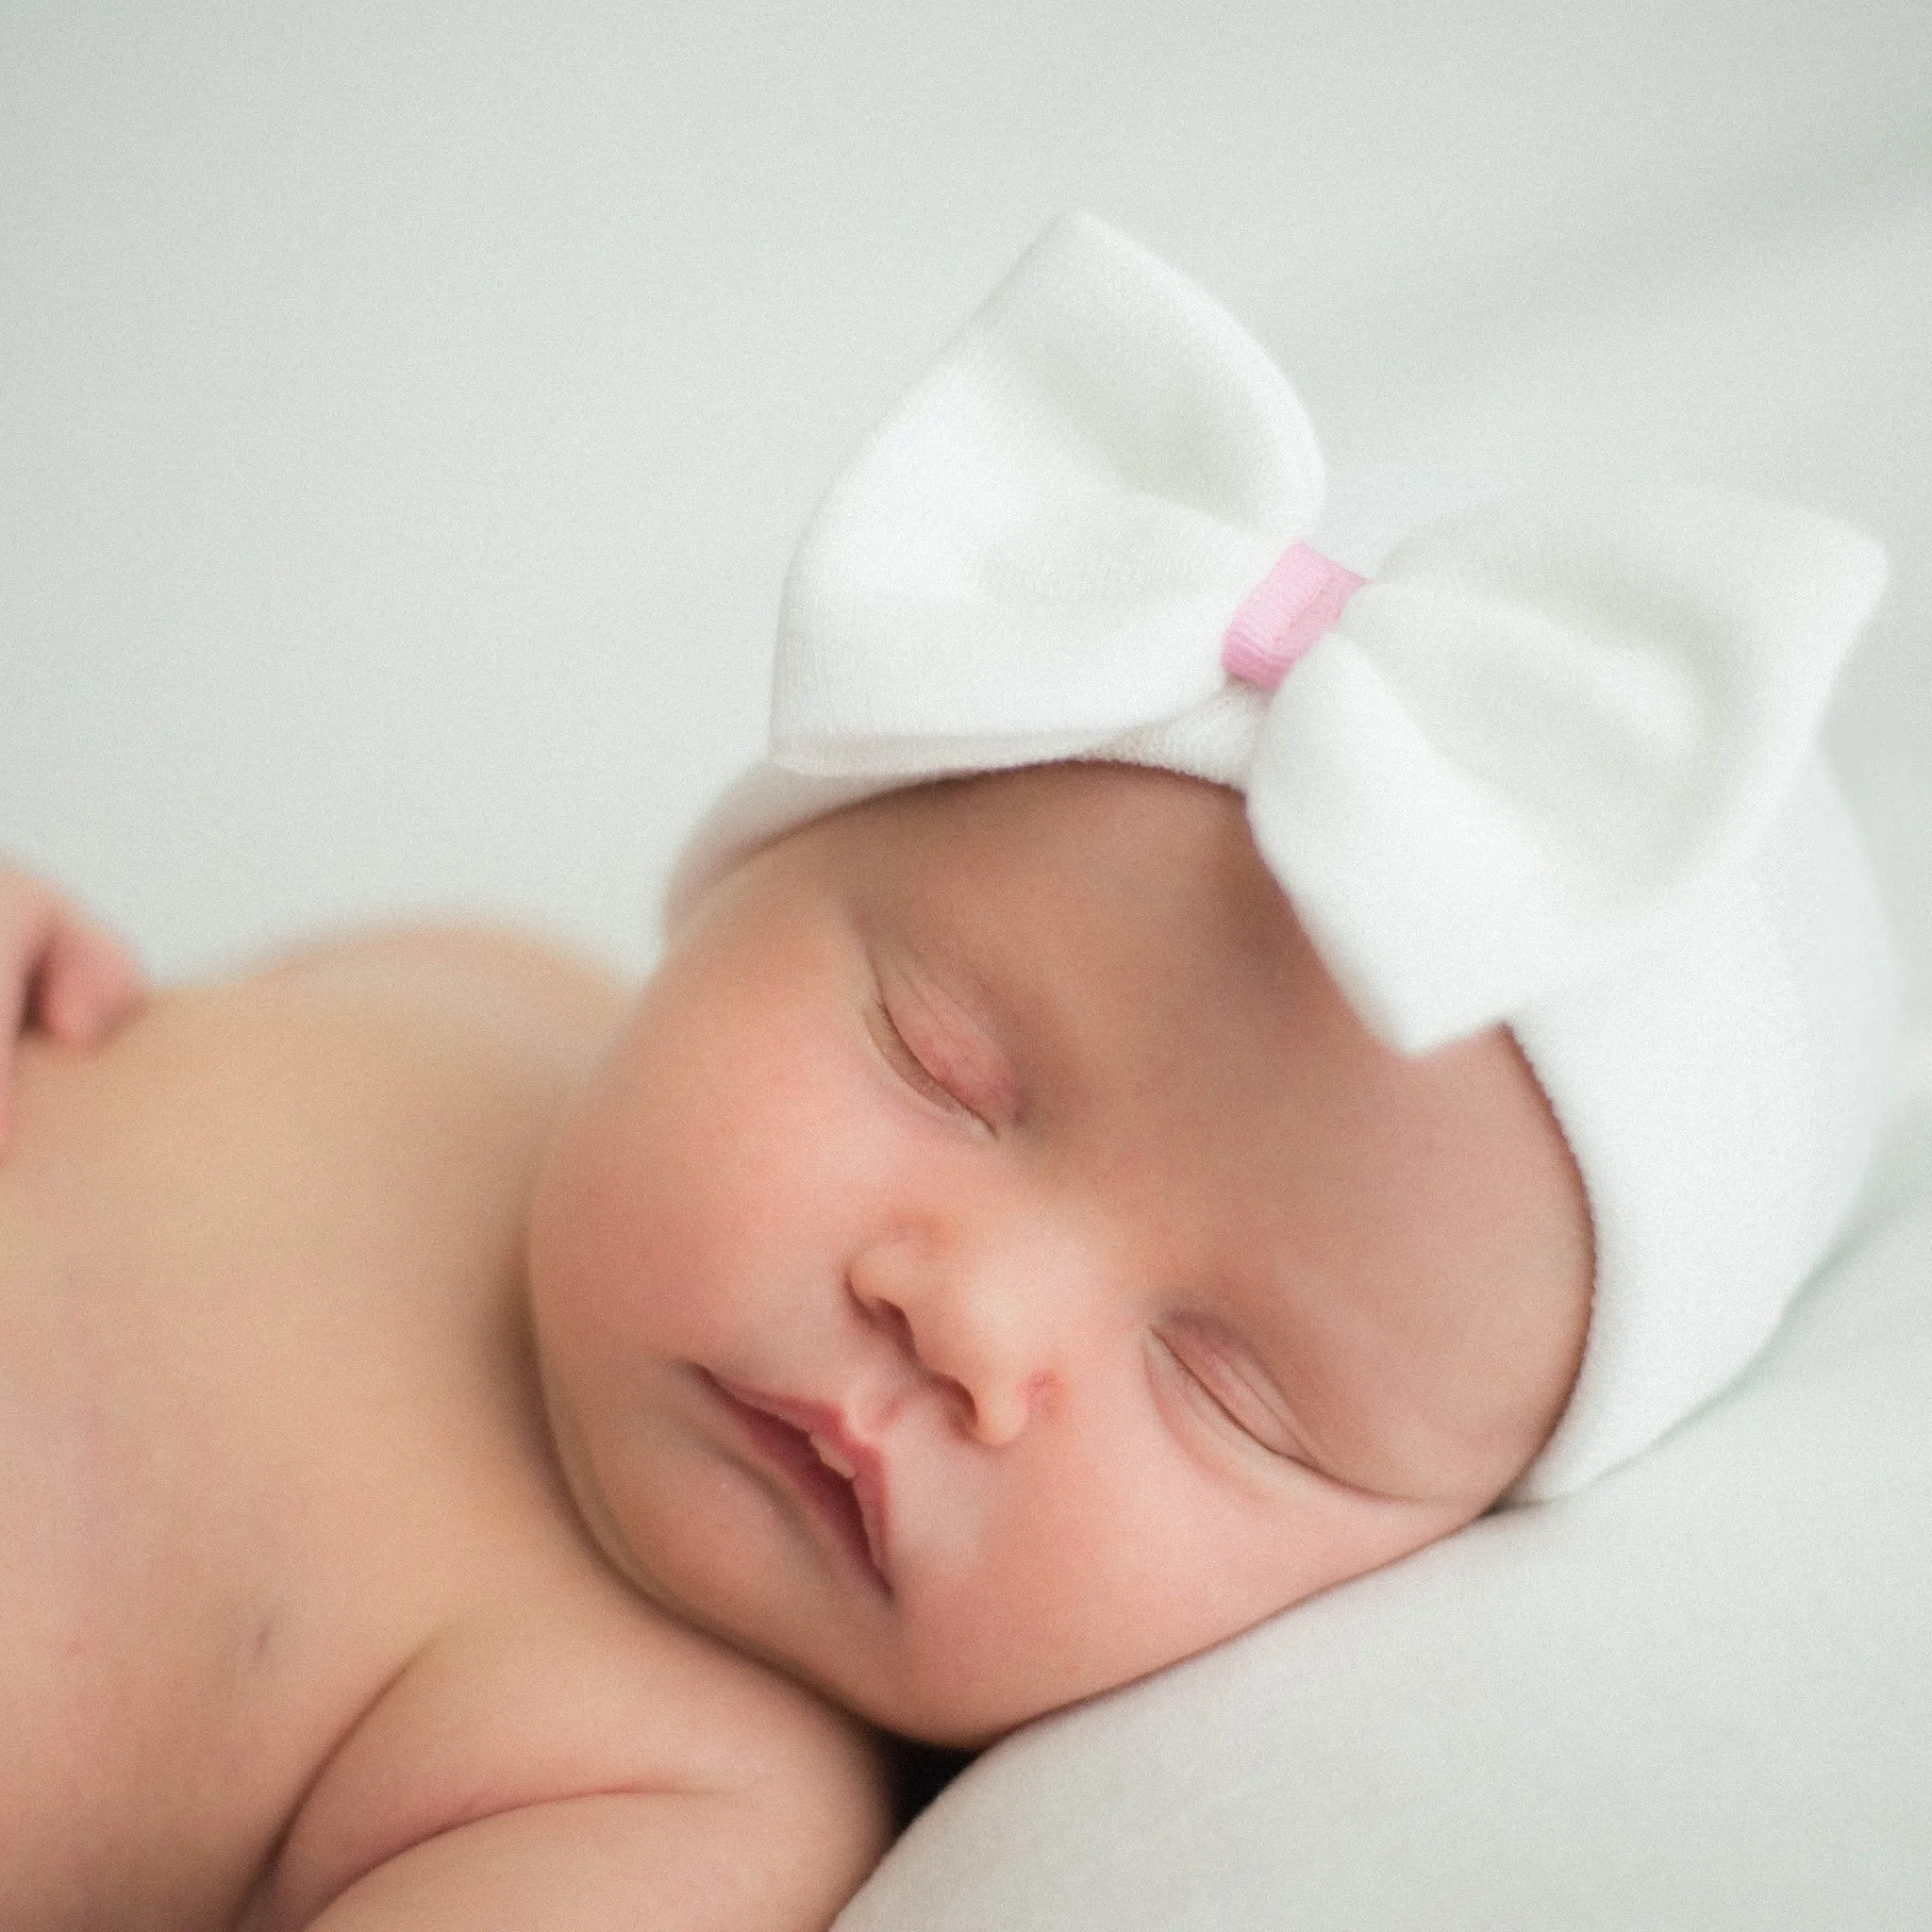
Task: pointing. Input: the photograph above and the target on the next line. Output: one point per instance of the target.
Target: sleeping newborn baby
(1191, 1072)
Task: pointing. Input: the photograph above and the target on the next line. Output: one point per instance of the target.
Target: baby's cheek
(1086, 1560)
(1189, 1561)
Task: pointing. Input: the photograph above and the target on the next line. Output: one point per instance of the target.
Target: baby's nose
(997, 1322)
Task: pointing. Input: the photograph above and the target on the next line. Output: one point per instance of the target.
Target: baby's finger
(15, 985)
(88, 983)
(29, 916)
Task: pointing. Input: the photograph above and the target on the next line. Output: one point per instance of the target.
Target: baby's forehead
(1113, 917)
(1165, 854)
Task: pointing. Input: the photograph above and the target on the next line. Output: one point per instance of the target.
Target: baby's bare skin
(989, 1262)
(297, 1623)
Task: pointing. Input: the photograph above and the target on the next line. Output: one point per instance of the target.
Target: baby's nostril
(965, 1407)
(896, 1324)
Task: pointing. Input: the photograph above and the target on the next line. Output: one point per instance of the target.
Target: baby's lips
(869, 1485)
(844, 1453)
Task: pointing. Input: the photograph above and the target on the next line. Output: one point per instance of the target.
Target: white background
(406, 410)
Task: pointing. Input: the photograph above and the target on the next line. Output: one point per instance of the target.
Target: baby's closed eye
(899, 1053)
(1224, 1385)
(939, 1042)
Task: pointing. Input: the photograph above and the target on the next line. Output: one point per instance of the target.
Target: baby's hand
(60, 972)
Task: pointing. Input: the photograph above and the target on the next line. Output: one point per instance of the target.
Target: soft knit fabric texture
(1553, 766)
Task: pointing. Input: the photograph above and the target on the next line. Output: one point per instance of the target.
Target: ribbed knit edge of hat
(1721, 1095)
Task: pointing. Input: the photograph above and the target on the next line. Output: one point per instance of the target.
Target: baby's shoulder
(451, 1048)
(525, 990)
(708, 1772)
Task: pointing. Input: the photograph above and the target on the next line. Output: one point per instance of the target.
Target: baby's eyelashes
(899, 1054)
(938, 1045)
(1224, 1385)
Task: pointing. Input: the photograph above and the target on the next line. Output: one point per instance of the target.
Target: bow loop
(1542, 729)
(1041, 544)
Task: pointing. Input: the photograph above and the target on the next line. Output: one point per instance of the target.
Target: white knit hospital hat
(1549, 763)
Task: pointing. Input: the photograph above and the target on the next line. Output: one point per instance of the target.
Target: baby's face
(1005, 1147)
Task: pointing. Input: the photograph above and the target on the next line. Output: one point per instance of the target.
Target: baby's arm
(580, 1761)
(673, 1861)
(60, 972)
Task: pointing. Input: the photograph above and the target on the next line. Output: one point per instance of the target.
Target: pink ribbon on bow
(1298, 601)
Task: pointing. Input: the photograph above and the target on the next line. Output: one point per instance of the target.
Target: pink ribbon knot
(1299, 600)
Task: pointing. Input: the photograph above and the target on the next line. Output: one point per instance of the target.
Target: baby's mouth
(842, 1480)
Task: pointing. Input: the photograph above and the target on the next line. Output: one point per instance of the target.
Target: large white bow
(1540, 728)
